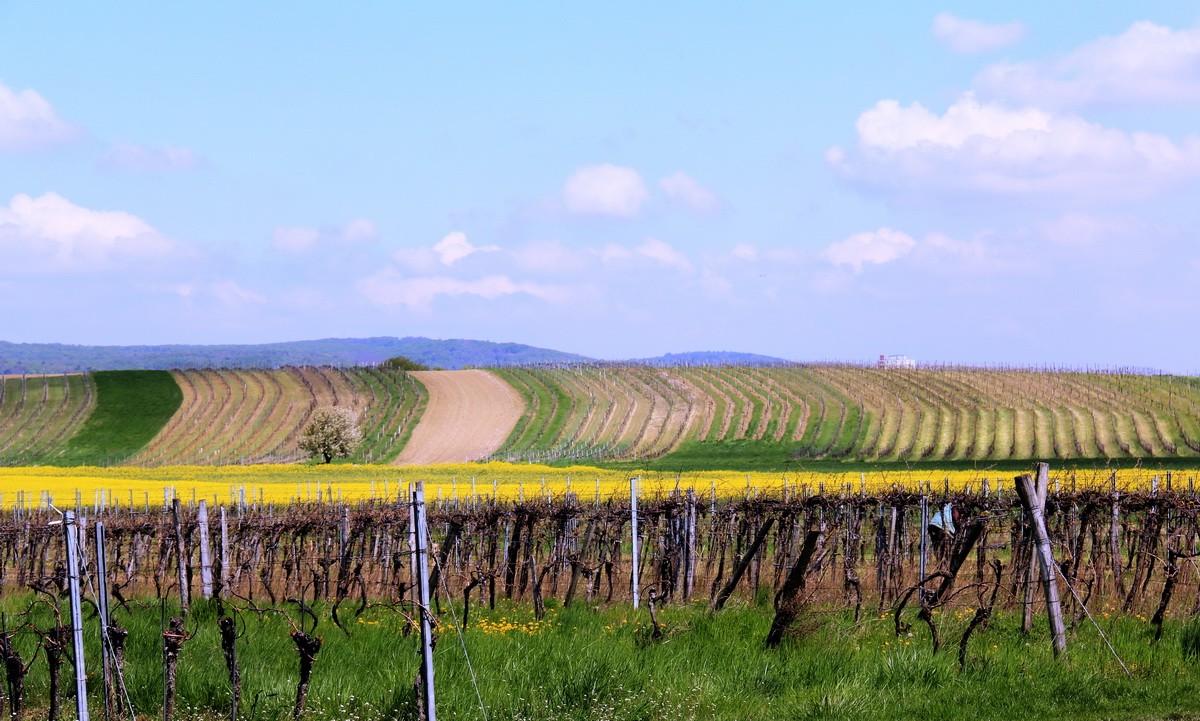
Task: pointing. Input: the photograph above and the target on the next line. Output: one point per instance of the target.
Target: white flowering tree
(331, 433)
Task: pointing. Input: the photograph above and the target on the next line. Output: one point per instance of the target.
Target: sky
(999, 183)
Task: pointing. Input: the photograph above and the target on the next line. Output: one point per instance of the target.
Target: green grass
(584, 663)
(131, 408)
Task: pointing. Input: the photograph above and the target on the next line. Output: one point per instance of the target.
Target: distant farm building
(896, 361)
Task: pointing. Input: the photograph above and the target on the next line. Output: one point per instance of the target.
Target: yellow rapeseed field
(290, 483)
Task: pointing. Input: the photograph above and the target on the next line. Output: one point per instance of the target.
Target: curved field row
(618, 412)
(595, 412)
(853, 413)
(39, 413)
(233, 416)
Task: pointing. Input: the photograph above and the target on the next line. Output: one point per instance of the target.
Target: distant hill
(453, 354)
(711, 358)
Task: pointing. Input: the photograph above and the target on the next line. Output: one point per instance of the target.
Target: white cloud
(390, 288)
(744, 251)
(28, 122)
(684, 190)
(449, 250)
(990, 150)
(1077, 229)
(716, 286)
(664, 254)
(50, 233)
(973, 36)
(295, 239)
(358, 231)
(939, 252)
(612, 251)
(548, 256)
(889, 126)
(147, 159)
(454, 247)
(605, 189)
(1147, 63)
(298, 239)
(230, 293)
(877, 247)
(1113, 240)
(225, 292)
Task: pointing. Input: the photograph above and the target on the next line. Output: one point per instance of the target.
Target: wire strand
(458, 629)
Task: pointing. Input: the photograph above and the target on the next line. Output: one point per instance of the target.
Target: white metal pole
(102, 598)
(633, 495)
(422, 552)
(72, 530)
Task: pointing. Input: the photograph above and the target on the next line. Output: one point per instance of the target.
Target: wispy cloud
(605, 189)
(988, 150)
(28, 122)
(1146, 64)
(51, 234)
(684, 190)
(300, 239)
(874, 247)
(389, 288)
(148, 159)
(963, 35)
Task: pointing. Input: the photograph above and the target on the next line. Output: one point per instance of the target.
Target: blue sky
(963, 183)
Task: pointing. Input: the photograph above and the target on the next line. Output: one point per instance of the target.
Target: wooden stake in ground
(308, 647)
(173, 639)
(743, 564)
(228, 628)
(180, 556)
(790, 598)
(1033, 498)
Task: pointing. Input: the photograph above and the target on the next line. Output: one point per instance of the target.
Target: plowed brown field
(468, 416)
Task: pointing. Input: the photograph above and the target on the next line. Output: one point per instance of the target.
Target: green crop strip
(131, 408)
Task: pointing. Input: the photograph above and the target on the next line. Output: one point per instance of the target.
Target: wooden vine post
(180, 555)
(790, 598)
(1032, 494)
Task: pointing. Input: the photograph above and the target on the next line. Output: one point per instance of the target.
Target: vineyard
(690, 417)
(224, 417)
(853, 413)
(842, 556)
(39, 413)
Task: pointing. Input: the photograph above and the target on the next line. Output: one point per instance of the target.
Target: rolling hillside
(17, 358)
(693, 416)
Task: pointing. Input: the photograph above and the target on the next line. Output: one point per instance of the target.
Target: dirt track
(468, 416)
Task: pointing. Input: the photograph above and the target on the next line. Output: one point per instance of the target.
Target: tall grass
(587, 663)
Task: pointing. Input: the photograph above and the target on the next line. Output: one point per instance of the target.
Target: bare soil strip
(468, 416)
